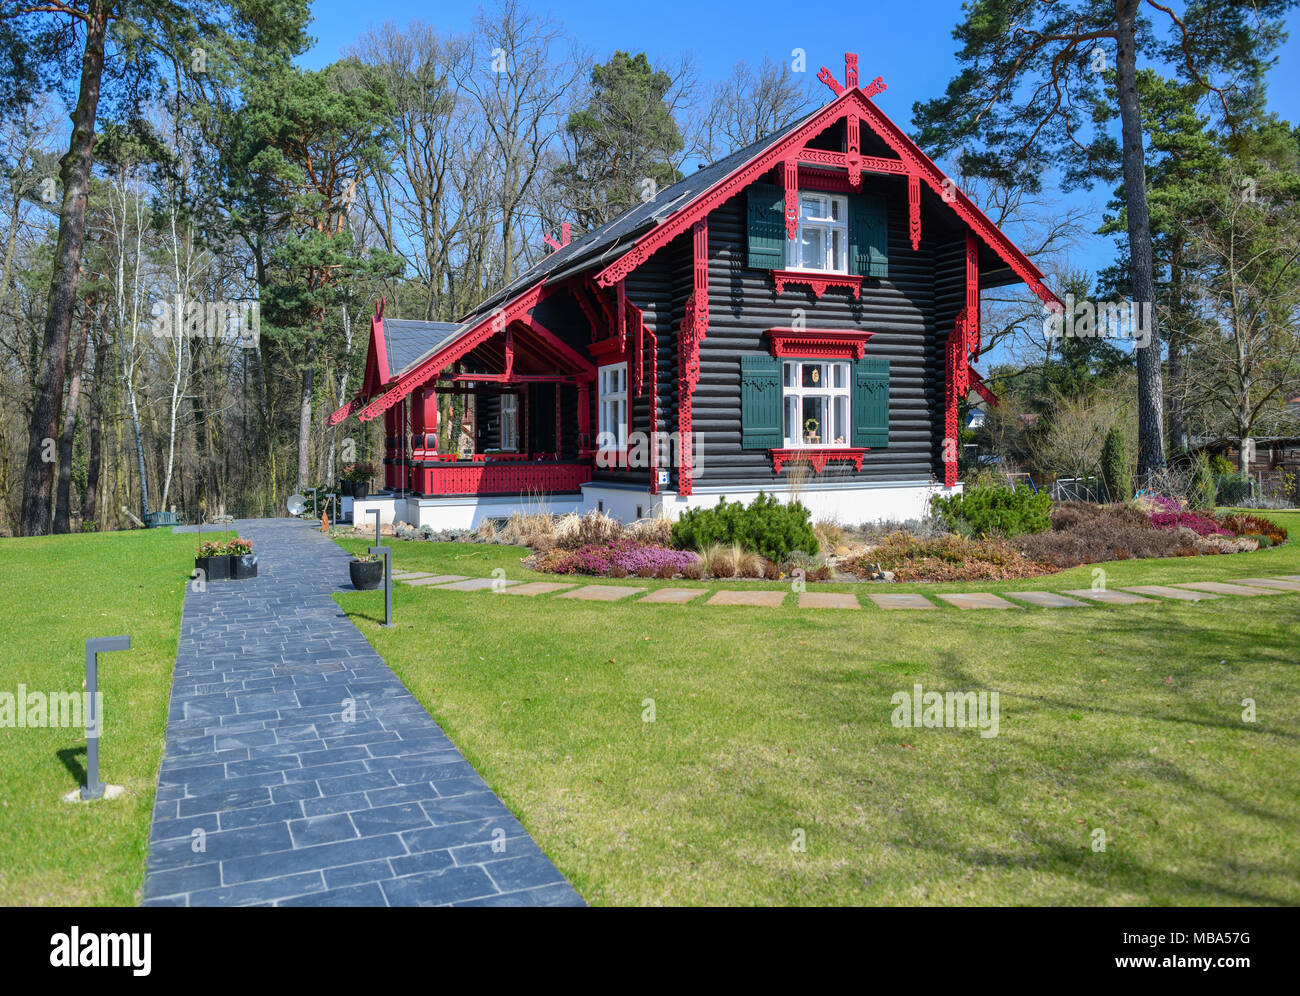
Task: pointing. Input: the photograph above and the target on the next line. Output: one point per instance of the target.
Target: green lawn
(772, 721)
(55, 593)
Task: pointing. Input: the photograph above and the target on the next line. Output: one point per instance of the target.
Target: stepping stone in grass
(828, 600)
(437, 579)
(1289, 577)
(1047, 599)
(1164, 591)
(977, 600)
(412, 574)
(769, 598)
(537, 588)
(1108, 597)
(1222, 588)
(1281, 583)
(902, 601)
(674, 596)
(478, 584)
(601, 593)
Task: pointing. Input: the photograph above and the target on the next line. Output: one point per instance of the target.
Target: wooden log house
(800, 318)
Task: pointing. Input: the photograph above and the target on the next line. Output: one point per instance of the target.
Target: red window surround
(818, 344)
(818, 456)
(817, 280)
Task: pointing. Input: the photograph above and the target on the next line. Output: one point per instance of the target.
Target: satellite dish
(296, 504)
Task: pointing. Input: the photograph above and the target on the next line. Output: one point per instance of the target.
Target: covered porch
(526, 413)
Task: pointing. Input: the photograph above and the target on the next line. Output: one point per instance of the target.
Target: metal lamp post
(94, 788)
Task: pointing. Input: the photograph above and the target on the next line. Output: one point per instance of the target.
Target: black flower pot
(360, 489)
(367, 575)
(213, 568)
(243, 566)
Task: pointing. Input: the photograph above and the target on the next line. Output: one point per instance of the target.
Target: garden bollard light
(376, 513)
(94, 788)
(387, 552)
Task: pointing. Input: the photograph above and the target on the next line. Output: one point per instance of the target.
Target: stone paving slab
(673, 596)
(977, 600)
(1047, 599)
(770, 599)
(1223, 588)
(537, 588)
(402, 575)
(479, 584)
(600, 593)
(436, 579)
(903, 601)
(308, 771)
(1108, 596)
(828, 600)
(1164, 591)
(1289, 577)
(1280, 583)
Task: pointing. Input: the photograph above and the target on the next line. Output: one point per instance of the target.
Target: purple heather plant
(1202, 525)
(629, 556)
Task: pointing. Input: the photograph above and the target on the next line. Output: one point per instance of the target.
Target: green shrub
(1263, 541)
(1220, 465)
(1114, 466)
(981, 511)
(1233, 489)
(767, 527)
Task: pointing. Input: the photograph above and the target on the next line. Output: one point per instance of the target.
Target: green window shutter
(868, 236)
(766, 227)
(871, 402)
(760, 402)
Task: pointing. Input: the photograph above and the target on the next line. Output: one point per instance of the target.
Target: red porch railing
(489, 477)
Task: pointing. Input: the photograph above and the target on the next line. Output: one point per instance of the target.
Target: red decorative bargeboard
(817, 457)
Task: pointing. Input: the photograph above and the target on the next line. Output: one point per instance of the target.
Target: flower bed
(619, 558)
(950, 558)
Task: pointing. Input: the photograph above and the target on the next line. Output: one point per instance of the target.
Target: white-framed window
(510, 422)
(822, 241)
(815, 402)
(612, 398)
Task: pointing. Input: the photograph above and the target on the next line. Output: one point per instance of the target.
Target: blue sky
(909, 44)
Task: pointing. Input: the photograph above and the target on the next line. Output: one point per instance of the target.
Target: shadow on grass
(69, 757)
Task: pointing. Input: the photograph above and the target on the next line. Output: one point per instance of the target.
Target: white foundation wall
(849, 505)
(455, 513)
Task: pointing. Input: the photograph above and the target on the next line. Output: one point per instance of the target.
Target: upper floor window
(822, 241)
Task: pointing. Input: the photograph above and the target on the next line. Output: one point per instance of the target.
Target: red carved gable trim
(911, 161)
(827, 344)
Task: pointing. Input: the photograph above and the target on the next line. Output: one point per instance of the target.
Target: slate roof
(409, 342)
(606, 243)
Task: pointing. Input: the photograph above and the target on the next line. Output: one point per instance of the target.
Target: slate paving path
(298, 770)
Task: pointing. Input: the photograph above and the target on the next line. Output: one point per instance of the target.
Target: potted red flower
(212, 561)
(243, 561)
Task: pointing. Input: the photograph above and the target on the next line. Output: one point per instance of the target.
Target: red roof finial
(850, 78)
(379, 307)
